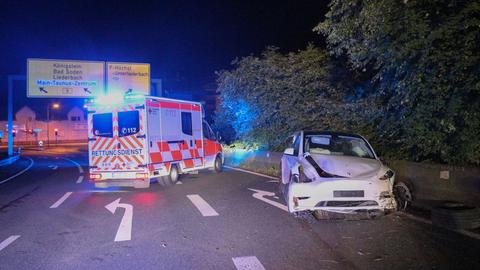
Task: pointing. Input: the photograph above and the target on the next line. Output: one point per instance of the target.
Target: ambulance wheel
(174, 174)
(218, 166)
(170, 179)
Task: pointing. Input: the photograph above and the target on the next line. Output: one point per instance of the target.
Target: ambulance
(134, 138)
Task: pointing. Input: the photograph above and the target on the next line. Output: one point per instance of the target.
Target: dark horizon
(184, 43)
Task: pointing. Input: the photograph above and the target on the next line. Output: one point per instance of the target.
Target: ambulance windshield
(102, 125)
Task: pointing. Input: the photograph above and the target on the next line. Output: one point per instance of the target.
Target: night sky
(184, 41)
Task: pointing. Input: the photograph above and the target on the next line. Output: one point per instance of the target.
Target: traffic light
(14, 132)
(56, 132)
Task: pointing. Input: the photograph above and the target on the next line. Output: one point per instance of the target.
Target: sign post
(64, 78)
(128, 77)
(11, 79)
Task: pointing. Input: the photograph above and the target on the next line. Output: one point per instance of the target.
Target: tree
(266, 98)
(424, 60)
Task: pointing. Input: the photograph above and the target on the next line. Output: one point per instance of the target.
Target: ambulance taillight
(95, 176)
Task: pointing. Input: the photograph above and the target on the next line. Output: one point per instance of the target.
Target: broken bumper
(345, 195)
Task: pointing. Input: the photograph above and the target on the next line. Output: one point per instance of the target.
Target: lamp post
(54, 106)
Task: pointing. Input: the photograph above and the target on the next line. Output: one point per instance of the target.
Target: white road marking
(427, 221)
(8, 241)
(124, 232)
(254, 173)
(19, 173)
(179, 182)
(248, 263)
(80, 169)
(205, 209)
(104, 191)
(61, 200)
(260, 194)
(79, 179)
(54, 167)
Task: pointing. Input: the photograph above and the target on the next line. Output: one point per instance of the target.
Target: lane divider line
(205, 209)
(79, 179)
(247, 263)
(19, 173)
(61, 200)
(8, 241)
(80, 169)
(250, 172)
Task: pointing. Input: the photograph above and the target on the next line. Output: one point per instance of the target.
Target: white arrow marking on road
(248, 263)
(79, 179)
(260, 194)
(124, 232)
(202, 205)
(8, 241)
(61, 200)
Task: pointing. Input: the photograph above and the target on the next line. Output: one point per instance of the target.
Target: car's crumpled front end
(341, 184)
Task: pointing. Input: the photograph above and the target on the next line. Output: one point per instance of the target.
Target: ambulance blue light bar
(116, 98)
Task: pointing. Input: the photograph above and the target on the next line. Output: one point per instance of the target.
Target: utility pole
(48, 128)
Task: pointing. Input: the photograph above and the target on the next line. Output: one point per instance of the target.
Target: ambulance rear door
(117, 141)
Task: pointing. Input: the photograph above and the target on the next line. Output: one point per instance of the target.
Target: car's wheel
(455, 215)
(171, 178)
(403, 195)
(218, 165)
(283, 190)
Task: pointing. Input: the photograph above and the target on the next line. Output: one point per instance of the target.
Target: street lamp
(53, 106)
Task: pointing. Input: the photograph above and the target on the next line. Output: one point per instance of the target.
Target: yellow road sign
(128, 77)
(65, 78)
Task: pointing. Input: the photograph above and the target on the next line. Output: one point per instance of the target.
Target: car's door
(288, 160)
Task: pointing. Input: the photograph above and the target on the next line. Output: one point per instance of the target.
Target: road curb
(8, 161)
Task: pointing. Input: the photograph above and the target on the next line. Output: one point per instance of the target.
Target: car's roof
(332, 133)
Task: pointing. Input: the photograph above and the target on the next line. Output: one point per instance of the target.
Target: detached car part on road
(336, 172)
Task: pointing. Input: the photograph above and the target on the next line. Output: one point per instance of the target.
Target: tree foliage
(406, 74)
(424, 60)
(264, 99)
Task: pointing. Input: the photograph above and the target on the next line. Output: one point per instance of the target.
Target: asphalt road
(52, 218)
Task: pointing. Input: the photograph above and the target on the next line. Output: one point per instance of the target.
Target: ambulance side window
(187, 123)
(128, 123)
(102, 125)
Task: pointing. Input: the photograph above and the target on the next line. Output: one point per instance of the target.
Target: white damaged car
(335, 172)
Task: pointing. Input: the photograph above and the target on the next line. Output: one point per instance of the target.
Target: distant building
(29, 130)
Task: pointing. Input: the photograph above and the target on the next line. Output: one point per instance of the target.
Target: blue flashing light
(110, 99)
